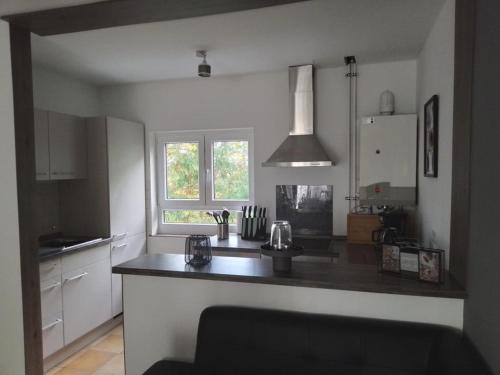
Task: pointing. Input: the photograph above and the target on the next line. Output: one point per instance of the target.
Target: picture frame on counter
(431, 265)
(411, 261)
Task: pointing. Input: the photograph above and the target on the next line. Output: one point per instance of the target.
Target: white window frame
(205, 139)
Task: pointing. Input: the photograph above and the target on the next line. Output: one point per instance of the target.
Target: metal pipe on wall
(352, 152)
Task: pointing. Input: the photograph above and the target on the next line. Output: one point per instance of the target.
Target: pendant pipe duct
(352, 75)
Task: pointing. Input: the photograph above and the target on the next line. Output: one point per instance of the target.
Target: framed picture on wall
(431, 132)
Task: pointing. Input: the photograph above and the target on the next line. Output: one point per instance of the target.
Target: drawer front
(51, 296)
(84, 258)
(86, 299)
(52, 334)
(122, 251)
(50, 269)
(128, 248)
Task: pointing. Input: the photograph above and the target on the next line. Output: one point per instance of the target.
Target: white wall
(60, 93)
(11, 323)
(173, 307)
(261, 101)
(436, 76)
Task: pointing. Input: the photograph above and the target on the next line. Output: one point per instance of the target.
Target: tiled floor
(103, 357)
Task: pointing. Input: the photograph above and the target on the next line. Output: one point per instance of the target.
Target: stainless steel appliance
(301, 148)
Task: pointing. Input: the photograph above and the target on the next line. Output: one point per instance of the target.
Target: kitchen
(114, 181)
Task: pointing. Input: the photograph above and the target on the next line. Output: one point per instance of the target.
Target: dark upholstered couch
(245, 341)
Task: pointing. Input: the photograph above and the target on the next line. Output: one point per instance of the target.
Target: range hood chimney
(301, 148)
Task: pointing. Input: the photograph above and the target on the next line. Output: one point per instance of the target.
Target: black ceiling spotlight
(204, 70)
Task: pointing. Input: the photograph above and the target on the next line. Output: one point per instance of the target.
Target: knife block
(253, 228)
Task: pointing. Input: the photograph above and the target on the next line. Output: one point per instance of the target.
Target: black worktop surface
(312, 246)
(343, 276)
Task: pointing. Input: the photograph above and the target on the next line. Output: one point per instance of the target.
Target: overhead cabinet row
(60, 146)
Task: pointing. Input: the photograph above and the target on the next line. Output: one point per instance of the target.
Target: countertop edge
(355, 287)
(92, 245)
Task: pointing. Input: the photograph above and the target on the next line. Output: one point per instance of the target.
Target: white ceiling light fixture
(204, 70)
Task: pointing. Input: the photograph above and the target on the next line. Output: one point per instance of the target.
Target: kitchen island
(163, 298)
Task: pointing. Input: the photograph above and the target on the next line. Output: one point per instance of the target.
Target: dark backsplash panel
(308, 208)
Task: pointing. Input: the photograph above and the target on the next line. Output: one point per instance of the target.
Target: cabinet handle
(55, 285)
(76, 277)
(119, 246)
(53, 324)
(118, 236)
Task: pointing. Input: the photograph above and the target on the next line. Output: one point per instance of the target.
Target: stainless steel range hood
(301, 148)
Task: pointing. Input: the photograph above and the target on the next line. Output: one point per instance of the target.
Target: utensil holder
(253, 228)
(222, 231)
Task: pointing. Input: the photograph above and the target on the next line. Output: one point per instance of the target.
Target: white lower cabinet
(121, 251)
(75, 292)
(86, 299)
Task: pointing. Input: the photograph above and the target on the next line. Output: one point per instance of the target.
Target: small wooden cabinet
(60, 146)
(360, 228)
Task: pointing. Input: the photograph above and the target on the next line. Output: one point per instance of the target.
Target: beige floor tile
(115, 366)
(110, 343)
(118, 331)
(90, 360)
(69, 371)
(52, 371)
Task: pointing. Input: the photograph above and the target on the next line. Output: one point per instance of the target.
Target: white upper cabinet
(68, 147)
(127, 196)
(42, 145)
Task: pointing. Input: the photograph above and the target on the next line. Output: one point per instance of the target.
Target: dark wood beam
(128, 12)
(462, 130)
(20, 45)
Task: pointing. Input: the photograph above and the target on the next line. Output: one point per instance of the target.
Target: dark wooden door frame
(462, 129)
(22, 85)
(129, 12)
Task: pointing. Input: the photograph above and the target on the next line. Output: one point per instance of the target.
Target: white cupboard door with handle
(122, 251)
(68, 146)
(42, 145)
(86, 299)
(127, 195)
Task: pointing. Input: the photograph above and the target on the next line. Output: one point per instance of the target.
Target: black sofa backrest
(241, 341)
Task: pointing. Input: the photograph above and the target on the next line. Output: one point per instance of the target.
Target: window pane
(230, 174)
(183, 173)
(191, 217)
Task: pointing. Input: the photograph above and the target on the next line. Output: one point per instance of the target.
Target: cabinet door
(122, 251)
(42, 145)
(86, 299)
(126, 177)
(68, 147)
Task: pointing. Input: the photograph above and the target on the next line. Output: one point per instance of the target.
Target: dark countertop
(355, 277)
(329, 247)
(46, 254)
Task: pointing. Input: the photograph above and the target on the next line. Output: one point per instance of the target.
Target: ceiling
(319, 31)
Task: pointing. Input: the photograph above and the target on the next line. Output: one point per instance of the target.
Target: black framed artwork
(431, 133)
